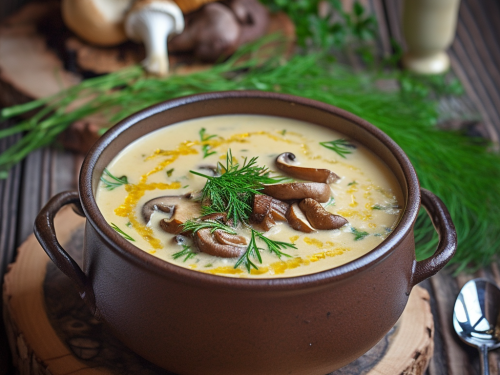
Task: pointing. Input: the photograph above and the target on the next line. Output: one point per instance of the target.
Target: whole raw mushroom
(97, 21)
(151, 22)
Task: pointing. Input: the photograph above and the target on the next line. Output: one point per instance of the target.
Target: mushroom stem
(151, 22)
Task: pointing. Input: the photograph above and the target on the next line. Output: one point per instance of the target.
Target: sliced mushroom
(261, 207)
(210, 170)
(319, 217)
(207, 244)
(264, 205)
(97, 21)
(279, 209)
(180, 208)
(297, 219)
(225, 238)
(268, 222)
(284, 163)
(299, 190)
(164, 204)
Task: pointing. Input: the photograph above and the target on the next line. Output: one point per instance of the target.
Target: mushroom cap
(267, 210)
(297, 219)
(96, 21)
(279, 209)
(211, 33)
(285, 161)
(299, 190)
(319, 217)
(191, 5)
(207, 244)
(261, 207)
(225, 238)
(143, 7)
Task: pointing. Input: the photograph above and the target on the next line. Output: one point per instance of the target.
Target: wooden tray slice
(51, 331)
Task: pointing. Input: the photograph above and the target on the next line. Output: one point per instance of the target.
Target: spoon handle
(485, 366)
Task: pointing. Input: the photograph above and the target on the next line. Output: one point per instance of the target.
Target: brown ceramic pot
(194, 323)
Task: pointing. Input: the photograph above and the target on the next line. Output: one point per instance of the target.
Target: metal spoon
(476, 318)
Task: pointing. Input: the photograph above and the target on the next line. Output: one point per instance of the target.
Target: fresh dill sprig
(331, 201)
(114, 182)
(186, 251)
(253, 250)
(275, 247)
(234, 189)
(358, 234)
(340, 146)
(205, 147)
(123, 234)
(194, 226)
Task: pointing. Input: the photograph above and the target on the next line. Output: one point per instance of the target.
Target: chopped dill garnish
(195, 226)
(206, 147)
(377, 207)
(253, 251)
(352, 183)
(114, 182)
(186, 251)
(129, 224)
(122, 233)
(169, 172)
(283, 132)
(331, 202)
(340, 146)
(185, 186)
(275, 247)
(358, 234)
(234, 189)
(208, 265)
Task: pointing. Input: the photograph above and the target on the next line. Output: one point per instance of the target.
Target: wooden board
(50, 330)
(30, 69)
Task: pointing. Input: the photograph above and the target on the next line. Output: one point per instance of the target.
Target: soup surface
(175, 163)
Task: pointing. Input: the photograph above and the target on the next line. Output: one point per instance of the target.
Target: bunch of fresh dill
(464, 174)
(234, 187)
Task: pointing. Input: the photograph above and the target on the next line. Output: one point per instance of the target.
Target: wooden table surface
(475, 59)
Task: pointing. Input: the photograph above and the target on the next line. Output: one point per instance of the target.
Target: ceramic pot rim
(165, 269)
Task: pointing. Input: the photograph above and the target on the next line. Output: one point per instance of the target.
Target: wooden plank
(470, 40)
(445, 291)
(475, 93)
(9, 195)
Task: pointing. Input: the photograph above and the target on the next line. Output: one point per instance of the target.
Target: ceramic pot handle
(447, 238)
(46, 235)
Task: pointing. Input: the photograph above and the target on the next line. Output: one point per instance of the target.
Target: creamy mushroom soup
(250, 196)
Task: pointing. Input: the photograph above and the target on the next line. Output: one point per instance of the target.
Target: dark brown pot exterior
(194, 323)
